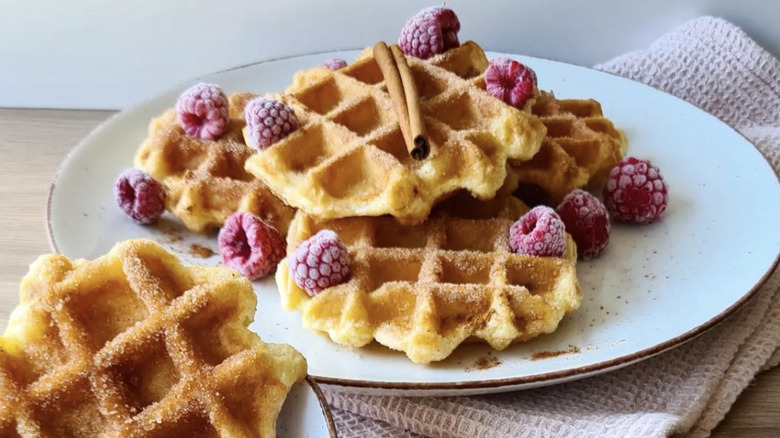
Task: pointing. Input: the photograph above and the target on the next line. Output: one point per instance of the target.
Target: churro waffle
(425, 289)
(205, 181)
(579, 150)
(349, 157)
(133, 344)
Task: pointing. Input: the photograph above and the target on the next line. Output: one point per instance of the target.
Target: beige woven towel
(688, 390)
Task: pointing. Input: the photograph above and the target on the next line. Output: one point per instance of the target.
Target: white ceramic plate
(656, 286)
(305, 413)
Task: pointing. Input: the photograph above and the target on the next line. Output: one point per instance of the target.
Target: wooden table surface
(34, 142)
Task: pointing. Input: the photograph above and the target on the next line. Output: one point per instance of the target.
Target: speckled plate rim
(541, 379)
(324, 407)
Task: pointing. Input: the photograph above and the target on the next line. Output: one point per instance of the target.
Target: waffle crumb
(201, 251)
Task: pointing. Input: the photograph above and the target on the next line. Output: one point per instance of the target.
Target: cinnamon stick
(416, 123)
(403, 92)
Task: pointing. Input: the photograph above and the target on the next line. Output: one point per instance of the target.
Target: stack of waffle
(428, 240)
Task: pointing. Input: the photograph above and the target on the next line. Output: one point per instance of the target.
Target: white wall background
(109, 54)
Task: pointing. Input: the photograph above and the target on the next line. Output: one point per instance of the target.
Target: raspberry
(510, 81)
(140, 196)
(268, 121)
(249, 245)
(587, 221)
(540, 232)
(636, 192)
(432, 31)
(320, 262)
(334, 64)
(203, 111)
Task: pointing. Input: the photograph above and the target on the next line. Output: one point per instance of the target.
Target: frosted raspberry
(249, 245)
(540, 232)
(320, 262)
(432, 31)
(510, 81)
(636, 192)
(587, 221)
(334, 64)
(140, 196)
(268, 121)
(203, 111)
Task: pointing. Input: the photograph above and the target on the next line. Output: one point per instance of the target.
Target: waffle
(580, 148)
(425, 289)
(205, 181)
(133, 344)
(349, 157)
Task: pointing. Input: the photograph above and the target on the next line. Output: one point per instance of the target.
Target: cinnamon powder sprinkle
(201, 251)
(486, 362)
(548, 354)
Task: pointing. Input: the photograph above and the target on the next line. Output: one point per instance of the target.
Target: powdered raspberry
(249, 245)
(636, 192)
(334, 64)
(432, 31)
(587, 221)
(510, 81)
(268, 121)
(320, 262)
(540, 232)
(140, 196)
(203, 111)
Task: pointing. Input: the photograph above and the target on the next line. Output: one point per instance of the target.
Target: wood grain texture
(34, 142)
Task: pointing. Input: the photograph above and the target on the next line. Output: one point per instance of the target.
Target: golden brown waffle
(425, 289)
(349, 157)
(205, 181)
(133, 344)
(579, 150)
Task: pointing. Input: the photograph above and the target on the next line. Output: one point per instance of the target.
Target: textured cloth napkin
(688, 390)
